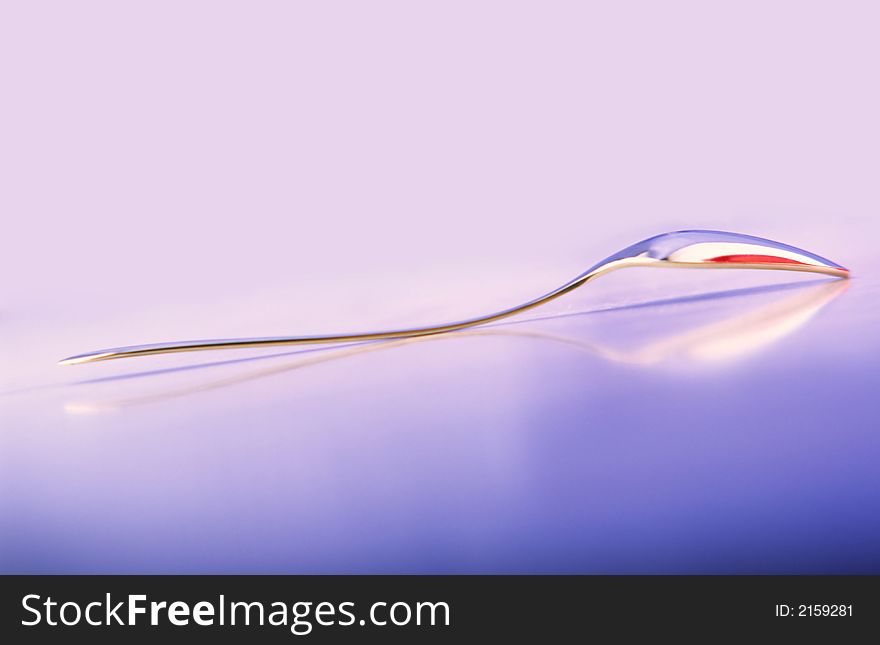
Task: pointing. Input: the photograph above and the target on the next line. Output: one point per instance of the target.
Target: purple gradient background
(178, 170)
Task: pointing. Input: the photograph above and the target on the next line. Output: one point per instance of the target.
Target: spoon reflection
(730, 338)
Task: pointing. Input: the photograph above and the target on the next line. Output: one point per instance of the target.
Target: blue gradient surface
(727, 431)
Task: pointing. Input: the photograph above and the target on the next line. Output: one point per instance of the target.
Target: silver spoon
(687, 249)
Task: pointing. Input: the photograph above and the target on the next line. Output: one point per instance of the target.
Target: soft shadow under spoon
(686, 249)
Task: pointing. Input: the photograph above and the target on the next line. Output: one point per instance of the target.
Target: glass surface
(723, 430)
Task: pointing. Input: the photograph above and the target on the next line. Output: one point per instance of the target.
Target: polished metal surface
(681, 249)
